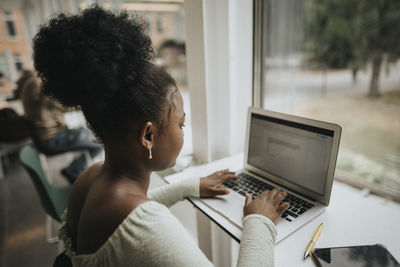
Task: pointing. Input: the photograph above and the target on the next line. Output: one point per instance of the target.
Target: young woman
(101, 62)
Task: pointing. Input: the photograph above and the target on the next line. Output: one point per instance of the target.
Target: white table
(352, 218)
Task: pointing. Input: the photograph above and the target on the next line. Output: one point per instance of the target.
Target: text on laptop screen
(292, 151)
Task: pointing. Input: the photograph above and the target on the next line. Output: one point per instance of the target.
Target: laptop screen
(292, 151)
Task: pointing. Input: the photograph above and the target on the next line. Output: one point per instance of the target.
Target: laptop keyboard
(248, 184)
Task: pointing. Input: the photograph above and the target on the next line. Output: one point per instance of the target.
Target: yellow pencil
(311, 244)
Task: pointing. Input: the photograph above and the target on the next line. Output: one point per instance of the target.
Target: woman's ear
(146, 136)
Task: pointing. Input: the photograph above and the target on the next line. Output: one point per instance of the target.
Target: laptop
(286, 152)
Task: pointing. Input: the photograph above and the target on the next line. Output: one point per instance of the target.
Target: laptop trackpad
(230, 206)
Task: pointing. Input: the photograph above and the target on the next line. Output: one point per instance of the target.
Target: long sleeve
(169, 194)
(258, 240)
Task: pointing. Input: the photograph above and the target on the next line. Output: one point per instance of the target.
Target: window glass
(337, 61)
(160, 24)
(3, 66)
(3, 72)
(19, 63)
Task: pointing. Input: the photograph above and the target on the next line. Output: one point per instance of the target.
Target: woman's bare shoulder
(99, 205)
(82, 186)
(78, 196)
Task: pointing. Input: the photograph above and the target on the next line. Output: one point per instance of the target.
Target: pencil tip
(305, 255)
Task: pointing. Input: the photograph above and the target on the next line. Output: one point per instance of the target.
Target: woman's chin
(165, 166)
(172, 164)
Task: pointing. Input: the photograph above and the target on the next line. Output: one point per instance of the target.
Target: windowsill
(369, 187)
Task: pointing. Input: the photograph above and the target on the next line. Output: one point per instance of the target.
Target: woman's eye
(183, 125)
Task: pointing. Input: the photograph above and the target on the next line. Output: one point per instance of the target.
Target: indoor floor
(22, 221)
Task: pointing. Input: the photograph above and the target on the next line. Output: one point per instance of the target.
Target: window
(147, 22)
(3, 66)
(3, 71)
(9, 20)
(160, 26)
(337, 61)
(19, 63)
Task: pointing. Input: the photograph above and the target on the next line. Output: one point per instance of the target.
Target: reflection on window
(9, 21)
(337, 61)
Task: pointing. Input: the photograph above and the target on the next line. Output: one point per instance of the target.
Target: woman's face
(169, 142)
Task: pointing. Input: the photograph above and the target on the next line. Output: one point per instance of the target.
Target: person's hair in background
(106, 70)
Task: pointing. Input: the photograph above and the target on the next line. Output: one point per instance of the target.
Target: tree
(352, 34)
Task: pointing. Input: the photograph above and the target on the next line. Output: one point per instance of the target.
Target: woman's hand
(209, 185)
(268, 203)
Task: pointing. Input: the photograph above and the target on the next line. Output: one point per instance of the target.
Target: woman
(101, 62)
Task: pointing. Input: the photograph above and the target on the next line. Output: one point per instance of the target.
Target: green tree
(353, 33)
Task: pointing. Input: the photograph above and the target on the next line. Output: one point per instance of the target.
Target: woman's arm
(169, 194)
(258, 241)
(192, 187)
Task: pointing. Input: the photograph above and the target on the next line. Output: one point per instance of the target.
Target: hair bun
(88, 57)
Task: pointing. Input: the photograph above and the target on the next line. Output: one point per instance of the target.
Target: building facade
(14, 50)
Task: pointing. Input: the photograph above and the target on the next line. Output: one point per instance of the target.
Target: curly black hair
(101, 62)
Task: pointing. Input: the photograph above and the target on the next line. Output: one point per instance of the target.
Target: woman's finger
(274, 192)
(220, 172)
(220, 191)
(280, 196)
(282, 207)
(226, 177)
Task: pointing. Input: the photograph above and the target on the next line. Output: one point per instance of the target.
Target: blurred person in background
(48, 128)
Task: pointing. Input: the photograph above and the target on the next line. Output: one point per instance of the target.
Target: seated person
(49, 130)
(136, 110)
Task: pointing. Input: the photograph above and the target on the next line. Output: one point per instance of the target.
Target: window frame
(257, 53)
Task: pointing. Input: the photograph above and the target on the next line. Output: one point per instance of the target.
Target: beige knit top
(152, 236)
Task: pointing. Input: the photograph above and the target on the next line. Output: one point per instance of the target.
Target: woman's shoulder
(107, 204)
(80, 191)
(84, 182)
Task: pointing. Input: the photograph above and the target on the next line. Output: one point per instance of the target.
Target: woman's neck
(124, 163)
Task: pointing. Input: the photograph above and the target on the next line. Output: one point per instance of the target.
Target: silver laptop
(287, 152)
